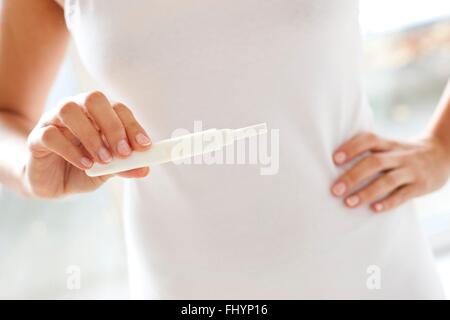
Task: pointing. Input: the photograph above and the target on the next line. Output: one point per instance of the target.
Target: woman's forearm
(440, 125)
(33, 41)
(14, 130)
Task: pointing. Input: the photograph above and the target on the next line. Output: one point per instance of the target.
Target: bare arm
(46, 154)
(33, 39)
(440, 125)
(405, 169)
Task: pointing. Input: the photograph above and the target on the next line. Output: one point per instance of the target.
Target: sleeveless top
(253, 231)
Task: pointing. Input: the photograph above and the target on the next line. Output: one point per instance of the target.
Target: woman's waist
(262, 235)
(211, 204)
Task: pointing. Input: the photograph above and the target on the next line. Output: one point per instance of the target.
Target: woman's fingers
(90, 125)
(99, 108)
(395, 199)
(54, 140)
(358, 145)
(383, 185)
(363, 170)
(75, 119)
(71, 138)
(137, 136)
(391, 173)
(135, 173)
(385, 164)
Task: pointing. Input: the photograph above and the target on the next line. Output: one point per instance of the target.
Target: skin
(389, 173)
(44, 155)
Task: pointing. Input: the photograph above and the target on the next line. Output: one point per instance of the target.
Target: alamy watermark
(73, 281)
(373, 281)
(262, 150)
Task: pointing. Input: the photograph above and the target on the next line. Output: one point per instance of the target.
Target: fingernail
(339, 189)
(352, 201)
(142, 139)
(340, 157)
(87, 163)
(378, 207)
(123, 147)
(104, 155)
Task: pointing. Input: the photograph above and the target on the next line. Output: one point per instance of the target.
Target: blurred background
(407, 64)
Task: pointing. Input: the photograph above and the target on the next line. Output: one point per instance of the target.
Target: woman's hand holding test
(69, 139)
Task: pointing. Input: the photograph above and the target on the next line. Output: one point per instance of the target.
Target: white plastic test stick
(178, 148)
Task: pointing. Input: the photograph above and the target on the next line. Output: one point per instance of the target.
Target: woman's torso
(226, 230)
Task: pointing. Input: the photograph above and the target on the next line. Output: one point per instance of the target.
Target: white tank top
(226, 231)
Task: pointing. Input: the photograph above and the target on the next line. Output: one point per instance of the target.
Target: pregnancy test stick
(178, 148)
